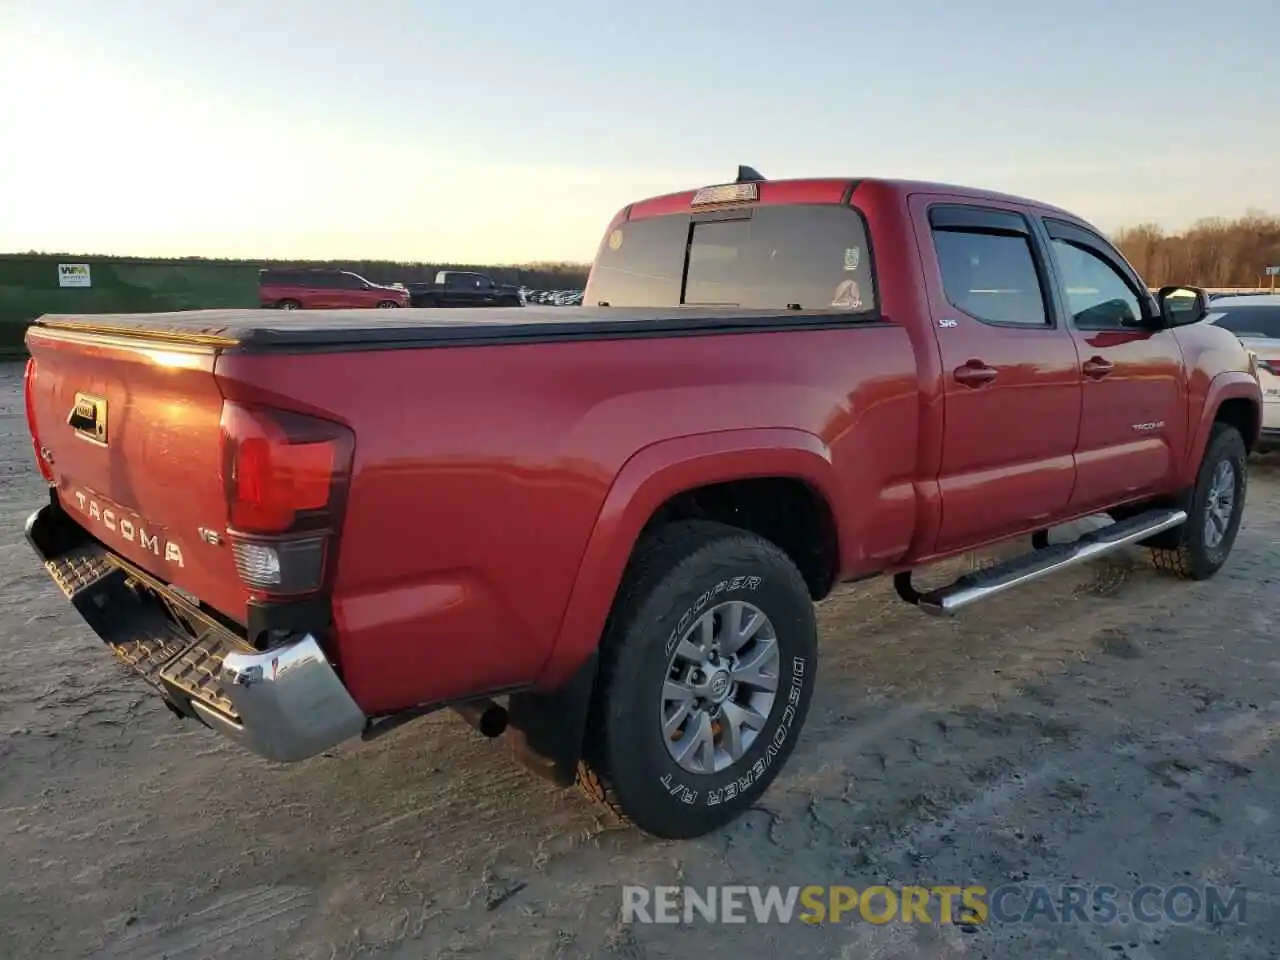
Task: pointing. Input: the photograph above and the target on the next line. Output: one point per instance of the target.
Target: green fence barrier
(31, 286)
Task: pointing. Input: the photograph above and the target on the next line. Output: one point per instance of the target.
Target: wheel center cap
(718, 686)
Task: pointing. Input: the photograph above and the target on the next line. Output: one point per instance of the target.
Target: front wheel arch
(1233, 397)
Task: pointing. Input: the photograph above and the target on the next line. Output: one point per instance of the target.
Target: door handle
(975, 373)
(1096, 368)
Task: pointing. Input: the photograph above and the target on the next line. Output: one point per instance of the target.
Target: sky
(510, 131)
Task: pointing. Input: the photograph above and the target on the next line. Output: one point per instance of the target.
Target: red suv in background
(326, 290)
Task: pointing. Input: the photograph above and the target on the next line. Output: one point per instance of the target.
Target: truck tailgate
(131, 433)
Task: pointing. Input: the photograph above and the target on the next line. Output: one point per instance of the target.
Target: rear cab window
(811, 257)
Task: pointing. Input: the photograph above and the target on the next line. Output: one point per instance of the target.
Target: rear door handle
(975, 373)
(1097, 368)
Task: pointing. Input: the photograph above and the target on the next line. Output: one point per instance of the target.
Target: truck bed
(266, 330)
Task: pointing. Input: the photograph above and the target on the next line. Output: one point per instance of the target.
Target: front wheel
(707, 669)
(1198, 549)
(387, 304)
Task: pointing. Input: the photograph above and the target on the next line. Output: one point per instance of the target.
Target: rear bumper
(1269, 439)
(286, 703)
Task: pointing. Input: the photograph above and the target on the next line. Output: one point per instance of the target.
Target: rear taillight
(29, 395)
(285, 477)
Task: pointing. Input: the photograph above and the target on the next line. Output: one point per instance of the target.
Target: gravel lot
(1110, 726)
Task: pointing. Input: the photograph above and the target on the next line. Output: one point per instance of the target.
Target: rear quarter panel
(481, 473)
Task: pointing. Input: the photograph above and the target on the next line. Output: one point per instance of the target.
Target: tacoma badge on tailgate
(88, 417)
(113, 518)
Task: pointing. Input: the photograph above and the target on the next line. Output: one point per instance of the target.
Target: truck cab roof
(829, 190)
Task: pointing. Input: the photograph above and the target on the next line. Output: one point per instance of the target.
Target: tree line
(1213, 252)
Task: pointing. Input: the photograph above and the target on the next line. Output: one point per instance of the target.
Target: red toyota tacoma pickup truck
(600, 531)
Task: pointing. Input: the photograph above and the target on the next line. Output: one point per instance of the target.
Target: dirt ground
(1109, 726)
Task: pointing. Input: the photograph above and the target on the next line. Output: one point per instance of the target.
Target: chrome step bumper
(286, 703)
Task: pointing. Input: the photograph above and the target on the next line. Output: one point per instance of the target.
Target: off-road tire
(679, 571)
(1182, 551)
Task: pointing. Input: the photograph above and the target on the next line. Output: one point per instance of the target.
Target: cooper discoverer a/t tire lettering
(707, 669)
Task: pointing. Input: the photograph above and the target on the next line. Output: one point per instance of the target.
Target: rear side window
(1257, 322)
(809, 257)
(991, 276)
(467, 281)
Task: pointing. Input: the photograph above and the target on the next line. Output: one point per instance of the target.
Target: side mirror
(1180, 306)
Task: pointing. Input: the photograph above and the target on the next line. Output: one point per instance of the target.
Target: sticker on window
(852, 256)
(848, 296)
(615, 240)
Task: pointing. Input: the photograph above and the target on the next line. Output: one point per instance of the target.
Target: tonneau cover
(266, 329)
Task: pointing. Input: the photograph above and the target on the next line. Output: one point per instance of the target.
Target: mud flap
(545, 730)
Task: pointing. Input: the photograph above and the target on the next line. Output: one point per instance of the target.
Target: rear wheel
(1198, 549)
(707, 669)
(289, 305)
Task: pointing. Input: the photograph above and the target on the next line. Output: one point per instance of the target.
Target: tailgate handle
(88, 417)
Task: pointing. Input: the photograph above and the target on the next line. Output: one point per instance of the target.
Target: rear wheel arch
(666, 473)
(788, 511)
(731, 478)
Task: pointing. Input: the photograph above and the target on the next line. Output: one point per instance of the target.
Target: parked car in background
(462, 288)
(555, 298)
(326, 290)
(1256, 321)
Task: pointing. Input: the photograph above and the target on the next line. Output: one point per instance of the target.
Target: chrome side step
(982, 584)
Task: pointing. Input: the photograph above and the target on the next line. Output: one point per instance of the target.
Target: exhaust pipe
(484, 715)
